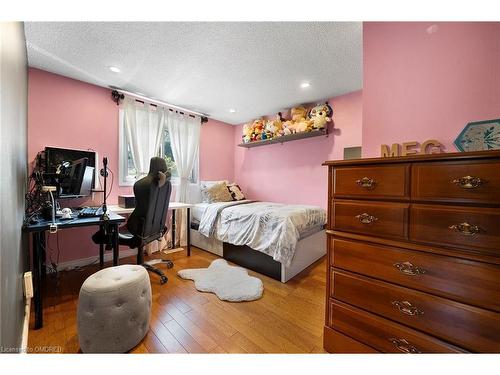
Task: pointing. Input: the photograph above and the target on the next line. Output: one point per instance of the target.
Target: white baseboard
(72, 264)
(26, 326)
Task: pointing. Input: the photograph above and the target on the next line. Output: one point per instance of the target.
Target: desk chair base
(150, 268)
(163, 278)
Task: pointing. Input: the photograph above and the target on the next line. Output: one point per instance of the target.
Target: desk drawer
(382, 334)
(372, 218)
(476, 229)
(375, 182)
(462, 280)
(469, 327)
(460, 182)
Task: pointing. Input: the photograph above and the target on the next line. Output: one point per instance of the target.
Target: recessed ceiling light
(232, 110)
(305, 85)
(114, 69)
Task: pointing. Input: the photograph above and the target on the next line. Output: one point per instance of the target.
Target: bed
(274, 239)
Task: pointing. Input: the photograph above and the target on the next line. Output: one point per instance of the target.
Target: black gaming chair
(147, 222)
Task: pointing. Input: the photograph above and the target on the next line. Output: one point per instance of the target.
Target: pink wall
(64, 112)
(217, 151)
(420, 85)
(67, 113)
(292, 172)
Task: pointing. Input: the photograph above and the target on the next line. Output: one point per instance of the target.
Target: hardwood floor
(288, 318)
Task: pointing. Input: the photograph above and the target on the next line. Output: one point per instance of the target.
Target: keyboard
(90, 212)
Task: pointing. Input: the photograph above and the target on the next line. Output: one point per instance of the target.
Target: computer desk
(171, 206)
(37, 231)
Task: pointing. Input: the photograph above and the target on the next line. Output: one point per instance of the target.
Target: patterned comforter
(271, 228)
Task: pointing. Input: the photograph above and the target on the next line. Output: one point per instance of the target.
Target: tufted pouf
(114, 309)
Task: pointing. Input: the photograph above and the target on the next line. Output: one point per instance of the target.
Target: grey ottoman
(114, 309)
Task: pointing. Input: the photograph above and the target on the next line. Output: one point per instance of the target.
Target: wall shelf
(285, 138)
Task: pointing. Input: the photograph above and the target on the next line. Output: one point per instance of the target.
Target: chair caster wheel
(163, 280)
(170, 264)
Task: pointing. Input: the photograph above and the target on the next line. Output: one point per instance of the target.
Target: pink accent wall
(217, 151)
(64, 112)
(292, 172)
(67, 113)
(421, 85)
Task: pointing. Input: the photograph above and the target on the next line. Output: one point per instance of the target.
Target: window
(128, 174)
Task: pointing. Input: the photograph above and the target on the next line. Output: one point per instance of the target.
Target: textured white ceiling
(255, 68)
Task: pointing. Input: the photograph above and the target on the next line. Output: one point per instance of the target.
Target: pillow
(236, 192)
(218, 193)
(205, 185)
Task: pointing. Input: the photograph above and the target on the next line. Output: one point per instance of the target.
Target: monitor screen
(54, 156)
(71, 185)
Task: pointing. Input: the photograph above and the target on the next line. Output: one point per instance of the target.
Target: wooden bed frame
(309, 250)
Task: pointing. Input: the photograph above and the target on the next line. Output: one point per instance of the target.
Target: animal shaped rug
(227, 282)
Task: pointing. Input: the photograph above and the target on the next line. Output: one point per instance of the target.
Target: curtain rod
(118, 94)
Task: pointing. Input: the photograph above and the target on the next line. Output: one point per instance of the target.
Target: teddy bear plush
(320, 115)
(247, 133)
(299, 122)
(274, 128)
(258, 130)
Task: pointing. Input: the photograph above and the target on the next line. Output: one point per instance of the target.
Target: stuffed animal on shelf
(299, 122)
(258, 130)
(320, 115)
(274, 128)
(247, 133)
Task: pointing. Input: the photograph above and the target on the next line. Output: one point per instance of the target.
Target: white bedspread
(271, 228)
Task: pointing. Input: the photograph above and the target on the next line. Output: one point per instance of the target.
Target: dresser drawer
(462, 280)
(476, 229)
(336, 342)
(469, 327)
(461, 182)
(382, 334)
(372, 218)
(376, 182)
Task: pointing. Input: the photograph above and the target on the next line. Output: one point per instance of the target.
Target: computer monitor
(55, 156)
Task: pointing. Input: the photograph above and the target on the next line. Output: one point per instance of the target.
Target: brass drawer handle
(409, 269)
(366, 218)
(465, 228)
(407, 308)
(468, 182)
(404, 346)
(366, 183)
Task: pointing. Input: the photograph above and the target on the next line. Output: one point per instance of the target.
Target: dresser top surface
(491, 154)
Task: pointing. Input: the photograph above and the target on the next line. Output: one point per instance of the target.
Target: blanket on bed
(271, 228)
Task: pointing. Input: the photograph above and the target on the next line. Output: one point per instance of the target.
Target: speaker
(126, 201)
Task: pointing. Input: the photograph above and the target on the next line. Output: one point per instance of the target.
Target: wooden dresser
(414, 254)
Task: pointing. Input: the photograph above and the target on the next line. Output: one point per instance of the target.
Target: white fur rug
(229, 283)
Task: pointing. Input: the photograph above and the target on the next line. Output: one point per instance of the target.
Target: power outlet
(28, 285)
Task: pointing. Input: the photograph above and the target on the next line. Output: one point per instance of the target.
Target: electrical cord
(112, 180)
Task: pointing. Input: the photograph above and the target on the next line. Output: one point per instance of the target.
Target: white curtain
(144, 125)
(184, 131)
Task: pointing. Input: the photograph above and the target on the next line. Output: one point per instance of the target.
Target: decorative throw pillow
(236, 192)
(219, 193)
(205, 185)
